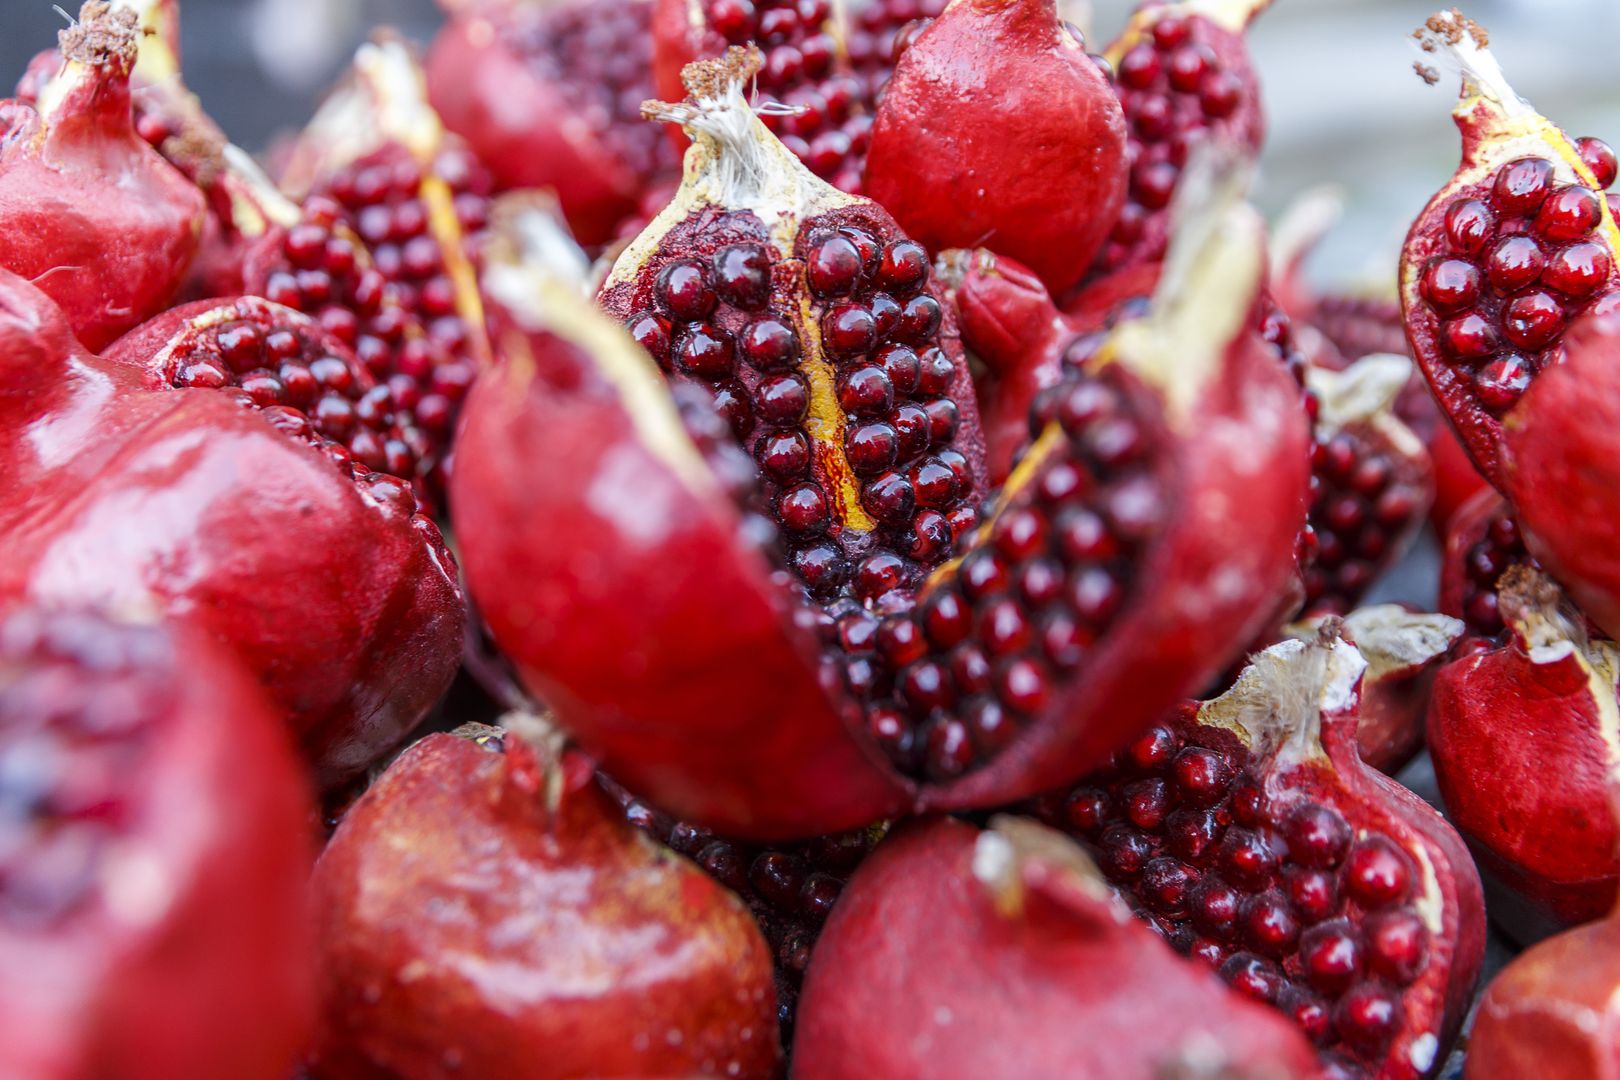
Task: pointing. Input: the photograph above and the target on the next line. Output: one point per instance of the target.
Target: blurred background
(1344, 104)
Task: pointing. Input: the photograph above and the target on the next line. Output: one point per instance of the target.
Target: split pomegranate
(1514, 252)
(1522, 740)
(1184, 77)
(825, 66)
(91, 214)
(1404, 651)
(1371, 481)
(953, 169)
(152, 858)
(549, 95)
(1003, 953)
(484, 910)
(1248, 832)
(212, 467)
(1551, 1012)
(818, 622)
(789, 888)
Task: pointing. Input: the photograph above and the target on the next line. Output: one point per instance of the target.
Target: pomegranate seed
(1367, 1017)
(769, 345)
(1397, 946)
(803, 509)
(1522, 186)
(1578, 270)
(742, 275)
(848, 330)
(1515, 262)
(1331, 956)
(1376, 874)
(834, 267)
(1450, 284)
(1469, 225)
(1569, 214)
(1502, 382)
(1599, 158)
(1470, 337)
(1533, 321)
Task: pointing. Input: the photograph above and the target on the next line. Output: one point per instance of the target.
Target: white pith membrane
(1498, 128)
(1186, 834)
(1364, 393)
(1393, 640)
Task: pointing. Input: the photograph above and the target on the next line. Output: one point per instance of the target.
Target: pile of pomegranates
(757, 538)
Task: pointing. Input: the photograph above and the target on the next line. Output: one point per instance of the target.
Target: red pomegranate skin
(1521, 737)
(1562, 468)
(960, 953)
(1551, 1012)
(483, 911)
(173, 939)
(91, 214)
(1456, 480)
(997, 130)
(131, 495)
(523, 126)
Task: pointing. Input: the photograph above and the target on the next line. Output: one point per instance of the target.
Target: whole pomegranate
(957, 952)
(1522, 741)
(956, 171)
(1551, 1012)
(1508, 280)
(209, 468)
(549, 95)
(1250, 834)
(91, 214)
(778, 574)
(152, 858)
(484, 910)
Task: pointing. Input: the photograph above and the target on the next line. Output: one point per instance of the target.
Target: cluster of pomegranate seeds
(1500, 548)
(1359, 502)
(720, 321)
(829, 96)
(1358, 326)
(1290, 904)
(304, 388)
(77, 705)
(600, 53)
(1518, 261)
(1176, 92)
(955, 680)
(789, 888)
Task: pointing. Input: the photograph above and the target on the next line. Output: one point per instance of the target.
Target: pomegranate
(1003, 953)
(1404, 651)
(208, 468)
(1522, 740)
(1484, 543)
(1551, 1012)
(484, 910)
(825, 66)
(1248, 832)
(153, 866)
(946, 161)
(1371, 481)
(91, 214)
(549, 95)
(1505, 281)
(784, 549)
(1456, 480)
(1184, 77)
(789, 888)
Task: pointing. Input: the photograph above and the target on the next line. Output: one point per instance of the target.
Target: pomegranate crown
(102, 36)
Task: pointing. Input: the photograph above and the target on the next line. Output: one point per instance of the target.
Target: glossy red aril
(825, 66)
(1371, 481)
(957, 952)
(1551, 1013)
(789, 888)
(1404, 651)
(785, 561)
(1504, 281)
(154, 857)
(1250, 834)
(419, 200)
(549, 95)
(91, 214)
(484, 909)
(946, 161)
(1184, 77)
(1522, 740)
(211, 468)
(1483, 544)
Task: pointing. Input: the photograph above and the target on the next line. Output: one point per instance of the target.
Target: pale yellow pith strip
(825, 426)
(446, 229)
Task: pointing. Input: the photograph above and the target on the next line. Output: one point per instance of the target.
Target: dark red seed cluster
(789, 888)
(78, 706)
(1519, 263)
(598, 54)
(1291, 904)
(953, 681)
(303, 387)
(831, 96)
(1175, 92)
(1492, 555)
(719, 320)
(1359, 502)
(1358, 326)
